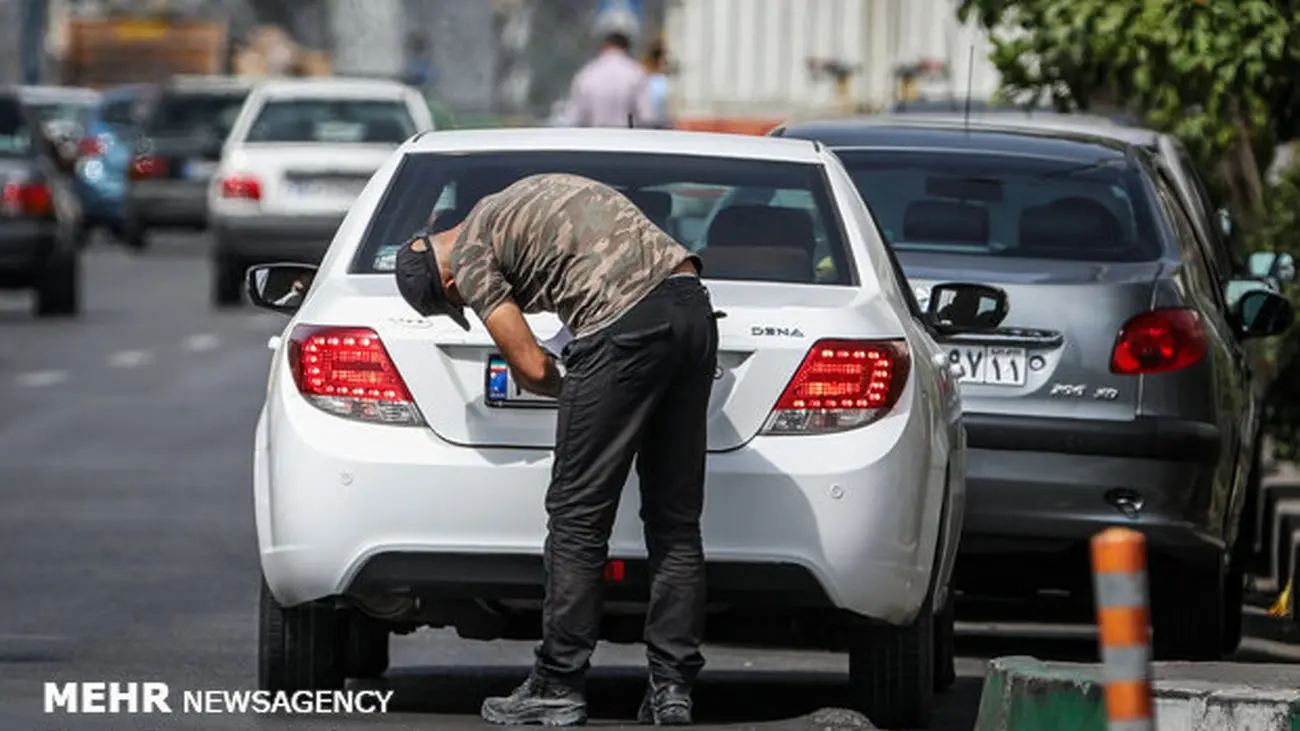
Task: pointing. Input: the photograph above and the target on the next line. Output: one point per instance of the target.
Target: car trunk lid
(1051, 356)
(310, 178)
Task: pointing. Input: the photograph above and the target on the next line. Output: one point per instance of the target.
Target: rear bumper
(1145, 437)
(25, 247)
(169, 203)
(267, 239)
(346, 508)
(1039, 486)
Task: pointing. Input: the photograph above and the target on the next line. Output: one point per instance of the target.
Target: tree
(1221, 74)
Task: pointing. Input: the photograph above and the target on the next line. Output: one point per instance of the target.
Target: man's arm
(533, 368)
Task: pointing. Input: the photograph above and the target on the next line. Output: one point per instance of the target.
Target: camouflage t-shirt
(564, 244)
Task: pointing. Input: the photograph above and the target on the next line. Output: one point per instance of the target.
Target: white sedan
(399, 474)
(296, 158)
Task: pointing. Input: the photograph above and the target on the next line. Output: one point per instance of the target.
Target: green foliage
(1207, 70)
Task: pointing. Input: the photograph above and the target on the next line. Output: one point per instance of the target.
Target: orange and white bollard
(1119, 573)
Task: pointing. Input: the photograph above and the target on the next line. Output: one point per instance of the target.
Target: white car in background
(296, 158)
(399, 474)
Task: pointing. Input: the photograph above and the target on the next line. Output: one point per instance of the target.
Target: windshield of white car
(1007, 205)
(333, 121)
(779, 223)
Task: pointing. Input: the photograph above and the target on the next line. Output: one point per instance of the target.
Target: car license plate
(330, 188)
(200, 169)
(990, 364)
(501, 389)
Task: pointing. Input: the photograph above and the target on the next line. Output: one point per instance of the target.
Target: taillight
(25, 198)
(144, 167)
(1158, 341)
(241, 186)
(90, 147)
(346, 371)
(841, 385)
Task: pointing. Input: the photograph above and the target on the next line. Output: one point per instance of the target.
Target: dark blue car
(104, 156)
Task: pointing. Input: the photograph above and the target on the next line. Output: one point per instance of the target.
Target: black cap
(420, 282)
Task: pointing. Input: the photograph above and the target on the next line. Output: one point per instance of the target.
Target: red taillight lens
(90, 147)
(1159, 341)
(841, 385)
(347, 372)
(23, 198)
(144, 167)
(241, 186)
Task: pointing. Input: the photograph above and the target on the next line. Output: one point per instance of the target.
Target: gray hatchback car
(1116, 392)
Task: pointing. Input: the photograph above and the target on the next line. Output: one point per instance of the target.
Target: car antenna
(970, 82)
(631, 123)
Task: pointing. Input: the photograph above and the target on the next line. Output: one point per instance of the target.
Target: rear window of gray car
(1007, 205)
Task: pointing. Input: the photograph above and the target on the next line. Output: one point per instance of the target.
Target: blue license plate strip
(500, 391)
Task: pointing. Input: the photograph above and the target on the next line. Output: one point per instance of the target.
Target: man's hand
(534, 369)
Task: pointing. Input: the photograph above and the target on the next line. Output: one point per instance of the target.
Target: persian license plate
(501, 390)
(990, 364)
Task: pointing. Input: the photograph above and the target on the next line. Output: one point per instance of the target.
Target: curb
(1027, 694)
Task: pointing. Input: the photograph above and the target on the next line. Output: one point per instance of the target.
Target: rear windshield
(1003, 205)
(333, 121)
(15, 138)
(195, 114)
(62, 111)
(750, 220)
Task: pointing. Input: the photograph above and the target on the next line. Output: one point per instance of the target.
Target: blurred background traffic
(150, 150)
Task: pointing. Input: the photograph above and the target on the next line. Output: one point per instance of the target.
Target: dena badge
(134, 698)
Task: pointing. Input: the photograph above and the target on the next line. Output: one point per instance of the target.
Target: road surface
(126, 527)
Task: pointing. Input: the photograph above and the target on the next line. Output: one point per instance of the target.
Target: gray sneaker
(537, 702)
(666, 705)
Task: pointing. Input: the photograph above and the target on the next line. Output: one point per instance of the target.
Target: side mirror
(279, 287)
(1226, 223)
(1263, 313)
(1278, 267)
(956, 307)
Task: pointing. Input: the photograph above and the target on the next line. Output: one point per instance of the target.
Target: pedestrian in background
(612, 89)
(657, 67)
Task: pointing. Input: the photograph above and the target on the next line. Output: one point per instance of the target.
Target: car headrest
(753, 226)
(762, 263)
(655, 204)
(946, 222)
(1073, 223)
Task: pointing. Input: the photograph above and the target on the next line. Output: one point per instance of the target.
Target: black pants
(639, 388)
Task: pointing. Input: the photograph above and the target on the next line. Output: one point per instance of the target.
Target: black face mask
(420, 283)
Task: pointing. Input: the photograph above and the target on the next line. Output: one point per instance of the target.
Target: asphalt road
(129, 553)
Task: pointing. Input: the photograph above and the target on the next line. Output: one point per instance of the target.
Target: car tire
(891, 671)
(366, 646)
(227, 282)
(945, 645)
(58, 291)
(298, 648)
(1187, 611)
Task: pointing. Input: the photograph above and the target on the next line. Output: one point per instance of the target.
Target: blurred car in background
(40, 216)
(104, 157)
(182, 128)
(1120, 391)
(298, 156)
(62, 112)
